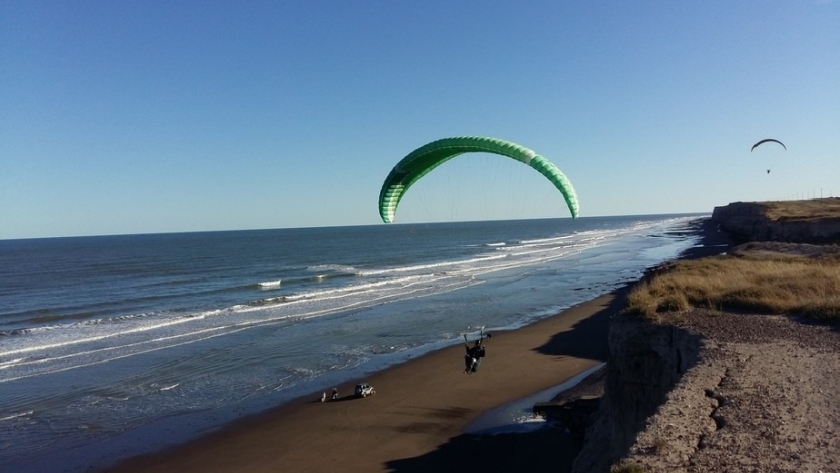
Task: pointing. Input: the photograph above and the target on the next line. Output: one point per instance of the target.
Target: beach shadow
(713, 240)
(541, 450)
(588, 338)
(348, 397)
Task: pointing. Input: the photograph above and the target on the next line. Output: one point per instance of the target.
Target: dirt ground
(765, 397)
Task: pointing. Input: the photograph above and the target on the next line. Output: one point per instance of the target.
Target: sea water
(113, 346)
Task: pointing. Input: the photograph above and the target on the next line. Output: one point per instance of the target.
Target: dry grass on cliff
(828, 207)
(757, 280)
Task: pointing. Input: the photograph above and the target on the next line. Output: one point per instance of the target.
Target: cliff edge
(711, 389)
(814, 221)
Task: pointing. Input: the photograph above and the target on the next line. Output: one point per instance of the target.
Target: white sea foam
(9, 363)
(270, 284)
(339, 268)
(78, 341)
(18, 415)
(430, 266)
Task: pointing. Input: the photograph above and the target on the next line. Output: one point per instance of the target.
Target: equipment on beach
(364, 390)
(423, 160)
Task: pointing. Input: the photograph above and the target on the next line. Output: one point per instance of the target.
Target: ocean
(113, 346)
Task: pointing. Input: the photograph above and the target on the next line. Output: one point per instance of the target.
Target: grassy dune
(771, 278)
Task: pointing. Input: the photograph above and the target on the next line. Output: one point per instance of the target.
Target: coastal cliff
(646, 362)
(812, 221)
(710, 390)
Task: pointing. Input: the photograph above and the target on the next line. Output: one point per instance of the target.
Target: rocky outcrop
(755, 221)
(646, 361)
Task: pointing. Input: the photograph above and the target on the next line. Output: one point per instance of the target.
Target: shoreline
(419, 412)
(417, 419)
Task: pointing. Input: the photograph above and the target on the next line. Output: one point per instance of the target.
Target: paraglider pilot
(472, 359)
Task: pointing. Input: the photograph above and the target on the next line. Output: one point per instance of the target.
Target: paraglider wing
(423, 160)
(767, 141)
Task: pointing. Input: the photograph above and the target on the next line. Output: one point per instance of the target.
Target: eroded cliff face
(749, 221)
(760, 396)
(646, 361)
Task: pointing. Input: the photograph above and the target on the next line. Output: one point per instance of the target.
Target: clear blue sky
(160, 116)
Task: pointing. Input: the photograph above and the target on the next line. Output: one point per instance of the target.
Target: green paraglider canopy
(424, 159)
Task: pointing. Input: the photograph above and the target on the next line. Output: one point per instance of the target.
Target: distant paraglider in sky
(424, 159)
(768, 140)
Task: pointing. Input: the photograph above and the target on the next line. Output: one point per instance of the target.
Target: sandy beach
(415, 420)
